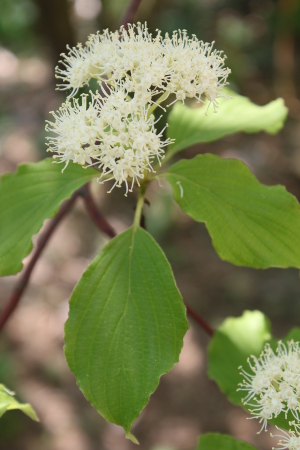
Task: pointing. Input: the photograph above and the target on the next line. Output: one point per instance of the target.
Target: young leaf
(190, 126)
(250, 224)
(27, 198)
(232, 344)
(8, 402)
(217, 441)
(234, 341)
(125, 327)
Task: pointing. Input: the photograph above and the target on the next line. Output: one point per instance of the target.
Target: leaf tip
(132, 438)
(31, 413)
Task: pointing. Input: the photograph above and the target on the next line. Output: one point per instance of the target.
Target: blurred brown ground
(261, 40)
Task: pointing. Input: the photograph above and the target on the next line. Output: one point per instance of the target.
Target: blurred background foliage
(261, 40)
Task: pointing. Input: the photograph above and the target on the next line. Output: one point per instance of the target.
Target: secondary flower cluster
(274, 387)
(116, 130)
(113, 132)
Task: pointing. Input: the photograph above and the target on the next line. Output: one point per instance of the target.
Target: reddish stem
(130, 13)
(97, 217)
(42, 241)
(201, 322)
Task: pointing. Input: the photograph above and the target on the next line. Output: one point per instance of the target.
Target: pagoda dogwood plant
(127, 318)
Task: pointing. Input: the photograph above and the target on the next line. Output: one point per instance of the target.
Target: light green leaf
(8, 402)
(232, 344)
(217, 441)
(250, 224)
(234, 341)
(190, 126)
(27, 198)
(125, 327)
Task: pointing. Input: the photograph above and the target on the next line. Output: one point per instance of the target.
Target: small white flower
(75, 132)
(290, 440)
(76, 70)
(269, 405)
(196, 69)
(267, 369)
(129, 142)
(274, 385)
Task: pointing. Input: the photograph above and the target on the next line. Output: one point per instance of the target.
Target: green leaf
(217, 441)
(250, 224)
(234, 341)
(27, 198)
(125, 327)
(190, 126)
(8, 402)
(232, 344)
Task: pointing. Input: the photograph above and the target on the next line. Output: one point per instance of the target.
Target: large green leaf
(125, 327)
(217, 441)
(232, 344)
(190, 126)
(27, 198)
(250, 224)
(8, 402)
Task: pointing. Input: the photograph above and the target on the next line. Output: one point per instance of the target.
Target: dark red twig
(42, 241)
(130, 13)
(201, 322)
(97, 217)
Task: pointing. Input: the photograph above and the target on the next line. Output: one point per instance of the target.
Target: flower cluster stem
(139, 208)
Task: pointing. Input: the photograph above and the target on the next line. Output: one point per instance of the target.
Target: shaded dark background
(261, 40)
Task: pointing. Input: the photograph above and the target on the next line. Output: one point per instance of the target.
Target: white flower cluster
(117, 129)
(274, 387)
